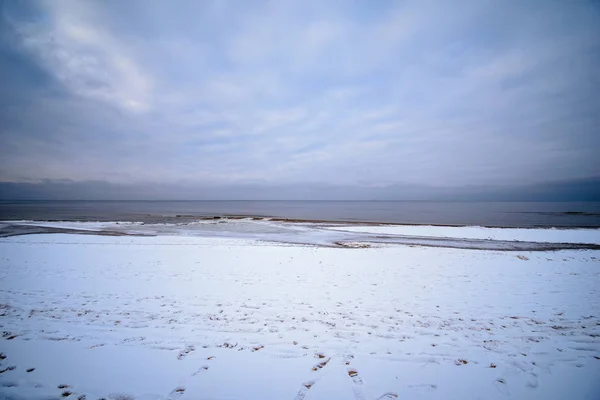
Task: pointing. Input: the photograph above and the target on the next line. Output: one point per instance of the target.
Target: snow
(330, 234)
(188, 317)
(540, 235)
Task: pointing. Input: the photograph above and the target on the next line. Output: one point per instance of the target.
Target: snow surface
(172, 317)
(540, 235)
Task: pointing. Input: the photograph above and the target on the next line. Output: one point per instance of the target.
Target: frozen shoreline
(331, 235)
(189, 317)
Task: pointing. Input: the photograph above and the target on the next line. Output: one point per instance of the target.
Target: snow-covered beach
(265, 310)
(299, 200)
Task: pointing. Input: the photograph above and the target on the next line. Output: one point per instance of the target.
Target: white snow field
(176, 317)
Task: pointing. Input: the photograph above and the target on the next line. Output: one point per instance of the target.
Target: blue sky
(359, 93)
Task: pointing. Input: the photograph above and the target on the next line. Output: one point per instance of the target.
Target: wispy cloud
(83, 55)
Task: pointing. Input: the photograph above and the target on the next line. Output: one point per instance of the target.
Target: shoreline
(327, 234)
(182, 219)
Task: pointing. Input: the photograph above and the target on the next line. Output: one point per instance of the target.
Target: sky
(243, 95)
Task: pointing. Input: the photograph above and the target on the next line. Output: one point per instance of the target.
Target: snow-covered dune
(172, 317)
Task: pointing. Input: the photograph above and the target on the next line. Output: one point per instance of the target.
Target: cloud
(333, 93)
(84, 57)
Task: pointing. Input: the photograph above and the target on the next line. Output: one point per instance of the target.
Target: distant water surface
(501, 214)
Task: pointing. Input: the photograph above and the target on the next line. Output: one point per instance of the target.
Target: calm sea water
(505, 214)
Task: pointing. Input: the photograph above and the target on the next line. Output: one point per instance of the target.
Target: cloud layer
(359, 93)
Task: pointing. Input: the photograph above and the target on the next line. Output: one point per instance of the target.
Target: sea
(492, 214)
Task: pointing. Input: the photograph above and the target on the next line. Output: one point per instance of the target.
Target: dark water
(505, 214)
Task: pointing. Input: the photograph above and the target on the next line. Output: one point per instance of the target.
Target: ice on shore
(175, 317)
(540, 235)
(330, 234)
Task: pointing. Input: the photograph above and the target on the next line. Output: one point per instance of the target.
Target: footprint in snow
(352, 373)
(183, 353)
(177, 393)
(500, 384)
(424, 387)
(10, 368)
(532, 381)
(304, 390)
(200, 370)
(388, 396)
(320, 365)
(357, 387)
